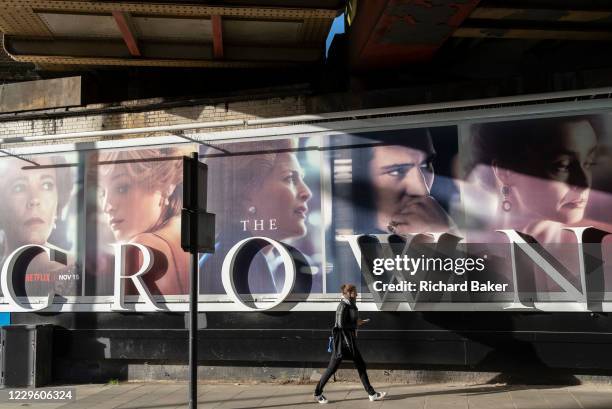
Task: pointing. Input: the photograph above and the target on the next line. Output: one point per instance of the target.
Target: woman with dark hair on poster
(140, 193)
(34, 198)
(535, 177)
(394, 180)
(257, 190)
(345, 344)
(539, 172)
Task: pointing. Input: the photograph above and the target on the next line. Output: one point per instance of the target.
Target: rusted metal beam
(77, 48)
(167, 9)
(544, 15)
(387, 33)
(123, 22)
(148, 62)
(217, 35)
(162, 54)
(533, 34)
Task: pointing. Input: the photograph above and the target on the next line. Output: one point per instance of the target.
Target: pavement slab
(342, 395)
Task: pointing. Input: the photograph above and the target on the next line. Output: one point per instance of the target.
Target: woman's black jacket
(344, 329)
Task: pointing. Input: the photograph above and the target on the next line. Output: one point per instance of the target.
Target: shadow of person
(493, 343)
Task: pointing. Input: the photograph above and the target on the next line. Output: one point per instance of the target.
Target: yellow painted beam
(166, 9)
(143, 62)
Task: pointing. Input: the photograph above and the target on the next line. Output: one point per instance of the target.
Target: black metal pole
(193, 297)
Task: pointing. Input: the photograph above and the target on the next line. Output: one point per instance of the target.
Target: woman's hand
(361, 322)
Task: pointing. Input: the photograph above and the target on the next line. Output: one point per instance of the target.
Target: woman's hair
(347, 288)
(508, 144)
(235, 170)
(153, 169)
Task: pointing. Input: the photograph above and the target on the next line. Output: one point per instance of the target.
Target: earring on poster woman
(252, 210)
(164, 201)
(506, 204)
(169, 193)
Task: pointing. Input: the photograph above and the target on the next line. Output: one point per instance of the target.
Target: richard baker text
(440, 286)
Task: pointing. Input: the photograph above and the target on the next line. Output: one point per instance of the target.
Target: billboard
(485, 215)
(135, 196)
(38, 207)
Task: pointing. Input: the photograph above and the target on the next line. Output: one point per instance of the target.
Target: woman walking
(345, 344)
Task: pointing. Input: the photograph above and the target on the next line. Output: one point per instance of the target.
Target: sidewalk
(341, 395)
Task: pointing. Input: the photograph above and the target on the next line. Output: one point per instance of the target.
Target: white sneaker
(321, 399)
(378, 396)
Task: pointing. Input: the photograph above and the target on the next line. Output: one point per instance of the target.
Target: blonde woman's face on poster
(130, 208)
(283, 196)
(30, 200)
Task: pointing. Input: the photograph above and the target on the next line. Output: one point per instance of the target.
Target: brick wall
(82, 119)
(156, 112)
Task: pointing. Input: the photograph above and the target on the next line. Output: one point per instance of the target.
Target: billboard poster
(135, 196)
(266, 189)
(491, 215)
(543, 181)
(387, 184)
(39, 206)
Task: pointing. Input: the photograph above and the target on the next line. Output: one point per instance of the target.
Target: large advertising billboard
(485, 215)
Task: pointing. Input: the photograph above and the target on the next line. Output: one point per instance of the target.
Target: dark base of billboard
(75, 372)
(513, 347)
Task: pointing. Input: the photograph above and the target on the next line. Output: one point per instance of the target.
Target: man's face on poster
(399, 173)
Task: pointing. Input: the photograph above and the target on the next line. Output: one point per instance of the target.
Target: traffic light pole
(193, 298)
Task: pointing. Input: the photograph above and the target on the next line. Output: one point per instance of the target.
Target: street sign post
(197, 236)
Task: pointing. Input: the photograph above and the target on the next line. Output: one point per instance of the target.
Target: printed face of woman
(398, 173)
(130, 207)
(30, 204)
(558, 185)
(283, 196)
